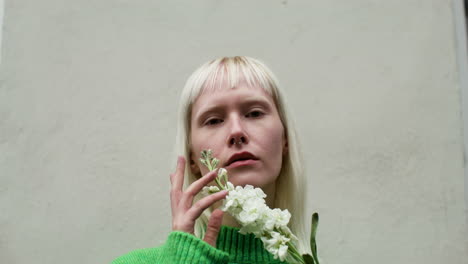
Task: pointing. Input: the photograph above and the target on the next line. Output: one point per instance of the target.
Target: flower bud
(222, 173)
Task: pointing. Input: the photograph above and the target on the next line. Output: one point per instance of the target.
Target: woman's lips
(240, 163)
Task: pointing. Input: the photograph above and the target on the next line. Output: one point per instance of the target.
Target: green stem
(293, 251)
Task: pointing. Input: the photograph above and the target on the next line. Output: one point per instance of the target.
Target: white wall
(462, 63)
(1, 26)
(87, 120)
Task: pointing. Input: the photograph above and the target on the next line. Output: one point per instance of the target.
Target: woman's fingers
(213, 227)
(184, 213)
(196, 187)
(179, 174)
(177, 181)
(197, 209)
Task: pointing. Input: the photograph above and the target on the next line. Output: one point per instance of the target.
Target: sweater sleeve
(179, 248)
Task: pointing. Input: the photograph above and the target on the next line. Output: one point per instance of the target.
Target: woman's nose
(237, 140)
(237, 135)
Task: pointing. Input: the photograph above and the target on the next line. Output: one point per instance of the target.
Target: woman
(234, 107)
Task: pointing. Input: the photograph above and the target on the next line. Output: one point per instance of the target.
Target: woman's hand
(184, 213)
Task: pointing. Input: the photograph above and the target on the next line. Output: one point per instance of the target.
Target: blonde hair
(290, 184)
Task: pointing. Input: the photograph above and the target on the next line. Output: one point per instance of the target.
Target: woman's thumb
(214, 224)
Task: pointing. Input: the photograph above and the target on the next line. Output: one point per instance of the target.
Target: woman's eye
(255, 113)
(213, 121)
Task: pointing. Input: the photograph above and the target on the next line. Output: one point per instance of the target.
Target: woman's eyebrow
(206, 110)
(256, 100)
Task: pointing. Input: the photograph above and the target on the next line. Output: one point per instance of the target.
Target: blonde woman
(233, 106)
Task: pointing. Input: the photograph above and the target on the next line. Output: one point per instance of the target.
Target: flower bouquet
(247, 205)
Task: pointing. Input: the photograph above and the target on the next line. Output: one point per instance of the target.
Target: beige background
(88, 98)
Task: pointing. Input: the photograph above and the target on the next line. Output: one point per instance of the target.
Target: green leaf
(313, 232)
(308, 259)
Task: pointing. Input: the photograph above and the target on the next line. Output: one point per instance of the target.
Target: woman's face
(243, 129)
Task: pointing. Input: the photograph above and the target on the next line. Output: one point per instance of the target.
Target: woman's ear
(193, 165)
(285, 146)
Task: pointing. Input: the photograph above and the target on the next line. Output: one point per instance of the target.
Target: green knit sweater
(231, 248)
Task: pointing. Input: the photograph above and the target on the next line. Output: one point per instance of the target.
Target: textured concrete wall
(88, 101)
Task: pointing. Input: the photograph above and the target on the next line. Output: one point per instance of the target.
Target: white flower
(276, 245)
(277, 218)
(222, 172)
(230, 186)
(247, 205)
(252, 210)
(236, 198)
(252, 217)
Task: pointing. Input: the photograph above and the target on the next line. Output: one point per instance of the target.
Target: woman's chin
(255, 177)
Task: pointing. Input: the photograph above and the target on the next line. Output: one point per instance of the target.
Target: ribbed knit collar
(243, 248)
